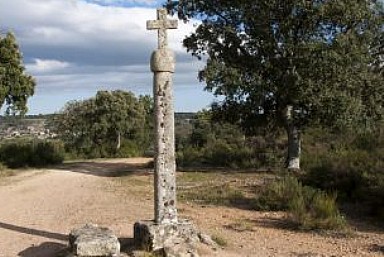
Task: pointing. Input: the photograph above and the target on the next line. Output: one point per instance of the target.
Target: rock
(206, 239)
(151, 236)
(92, 241)
(180, 250)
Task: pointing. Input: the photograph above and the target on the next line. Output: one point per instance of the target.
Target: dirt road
(39, 208)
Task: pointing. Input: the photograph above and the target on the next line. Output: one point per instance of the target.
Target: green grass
(221, 241)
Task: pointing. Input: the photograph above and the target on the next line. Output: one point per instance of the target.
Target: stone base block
(92, 241)
(153, 237)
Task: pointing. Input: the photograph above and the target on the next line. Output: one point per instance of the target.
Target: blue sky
(76, 47)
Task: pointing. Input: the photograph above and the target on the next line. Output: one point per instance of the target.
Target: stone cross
(166, 232)
(162, 24)
(163, 66)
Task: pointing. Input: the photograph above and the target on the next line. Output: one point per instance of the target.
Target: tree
(97, 126)
(15, 85)
(289, 63)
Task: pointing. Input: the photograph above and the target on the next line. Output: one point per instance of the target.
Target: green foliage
(352, 165)
(308, 207)
(315, 209)
(111, 124)
(321, 58)
(224, 145)
(33, 153)
(277, 195)
(15, 85)
(313, 55)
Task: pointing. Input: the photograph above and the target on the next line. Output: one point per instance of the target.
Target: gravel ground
(40, 207)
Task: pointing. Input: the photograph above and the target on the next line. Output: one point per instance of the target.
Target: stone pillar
(163, 66)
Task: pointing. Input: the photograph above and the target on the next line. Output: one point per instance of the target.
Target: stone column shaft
(162, 64)
(165, 167)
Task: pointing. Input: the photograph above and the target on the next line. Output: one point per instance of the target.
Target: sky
(74, 48)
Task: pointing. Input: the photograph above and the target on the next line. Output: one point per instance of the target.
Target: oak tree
(290, 63)
(96, 127)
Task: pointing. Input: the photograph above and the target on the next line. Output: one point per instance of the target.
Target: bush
(308, 208)
(31, 153)
(129, 148)
(15, 155)
(357, 176)
(219, 153)
(47, 152)
(351, 164)
(277, 195)
(314, 209)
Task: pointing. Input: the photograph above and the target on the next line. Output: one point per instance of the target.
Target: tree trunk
(294, 141)
(118, 141)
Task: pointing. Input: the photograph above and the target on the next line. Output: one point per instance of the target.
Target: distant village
(28, 127)
(40, 127)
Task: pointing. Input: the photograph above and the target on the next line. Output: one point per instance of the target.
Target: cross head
(162, 24)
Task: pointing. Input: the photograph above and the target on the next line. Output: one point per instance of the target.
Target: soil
(40, 207)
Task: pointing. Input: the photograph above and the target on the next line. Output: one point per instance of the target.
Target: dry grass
(5, 172)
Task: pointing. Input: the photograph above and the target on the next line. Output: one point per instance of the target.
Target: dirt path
(39, 208)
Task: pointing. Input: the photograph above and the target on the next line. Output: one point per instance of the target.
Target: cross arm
(162, 24)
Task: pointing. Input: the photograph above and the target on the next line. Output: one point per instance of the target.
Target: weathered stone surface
(162, 24)
(92, 241)
(206, 239)
(153, 237)
(181, 250)
(163, 60)
(162, 64)
(166, 234)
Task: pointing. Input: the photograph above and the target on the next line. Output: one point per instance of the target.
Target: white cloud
(81, 25)
(42, 66)
(74, 45)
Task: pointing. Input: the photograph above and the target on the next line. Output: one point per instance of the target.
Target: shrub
(351, 164)
(47, 152)
(31, 153)
(314, 209)
(357, 176)
(129, 148)
(276, 195)
(219, 153)
(308, 208)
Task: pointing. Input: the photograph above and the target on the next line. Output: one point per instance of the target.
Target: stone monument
(163, 66)
(166, 230)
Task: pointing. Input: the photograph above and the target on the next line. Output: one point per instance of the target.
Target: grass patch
(219, 188)
(188, 177)
(221, 241)
(213, 194)
(242, 225)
